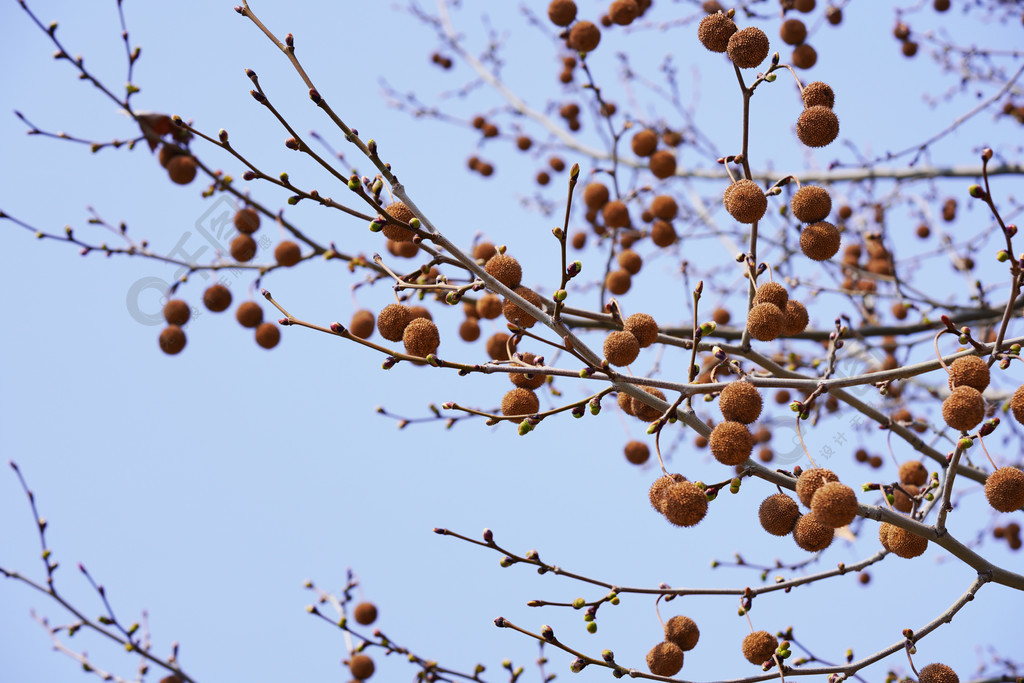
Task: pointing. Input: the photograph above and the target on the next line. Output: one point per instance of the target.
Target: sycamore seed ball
(665, 659)
(630, 261)
(811, 204)
(811, 535)
(484, 251)
(820, 241)
(526, 380)
(817, 126)
(392, 320)
(287, 254)
(182, 169)
(643, 327)
(365, 613)
(663, 234)
(731, 443)
(971, 371)
(644, 143)
(937, 673)
(964, 408)
(625, 403)
(243, 248)
(810, 481)
(740, 402)
(615, 214)
(268, 335)
(913, 472)
(618, 282)
(748, 47)
(584, 36)
(249, 314)
(793, 32)
(489, 306)
(623, 12)
(361, 667)
(759, 647)
(1004, 489)
(804, 56)
(421, 337)
(683, 632)
(637, 452)
(505, 270)
(596, 195)
(172, 340)
(621, 348)
(778, 514)
(562, 12)
(516, 315)
(684, 504)
(362, 324)
(177, 312)
(764, 322)
(497, 346)
(818, 94)
(745, 201)
(247, 220)
(902, 501)
(520, 401)
(772, 293)
(657, 493)
(795, 318)
(715, 30)
(646, 412)
(662, 164)
(664, 207)
(398, 211)
(904, 543)
(217, 298)
(834, 504)
(1017, 404)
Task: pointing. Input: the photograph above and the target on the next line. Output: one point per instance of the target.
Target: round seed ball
(392, 320)
(715, 30)
(361, 667)
(243, 248)
(268, 335)
(740, 402)
(520, 401)
(810, 481)
(684, 504)
(287, 254)
(421, 337)
(883, 534)
(745, 201)
(819, 241)
(630, 261)
(759, 647)
(621, 348)
(524, 380)
(249, 314)
(562, 12)
(595, 195)
(505, 270)
(625, 403)
(182, 169)
(247, 220)
(765, 322)
(778, 514)
(817, 126)
(665, 659)
(644, 143)
(615, 214)
(793, 32)
(664, 207)
(811, 204)
(964, 408)
(623, 12)
(516, 315)
(971, 371)
(811, 535)
(618, 282)
(469, 330)
(913, 472)
(795, 318)
(1004, 489)
(901, 501)
(683, 632)
(805, 56)
(398, 211)
(497, 346)
(660, 485)
(1017, 404)
(646, 412)
(731, 443)
(818, 94)
(663, 234)
(643, 327)
(584, 36)
(905, 543)
(637, 452)
(177, 312)
(772, 293)
(834, 504)
(484, 251)
(217, 298)
(748, 47)
(365, 613)
(663, 164)
(172, 340)
(488, 306)
(938, 673)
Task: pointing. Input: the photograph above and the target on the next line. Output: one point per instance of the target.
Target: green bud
(560, 295)
(976, 191)
(592, 627)
(525, 427)
(579, 603)
(614, 600)
(1002, 256)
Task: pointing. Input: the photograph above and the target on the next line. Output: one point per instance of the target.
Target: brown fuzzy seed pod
(421, 337)
(817, 126)
(520, 401)
(217, 298)
(804, 56)
(365, 613)
(683, 632)
(182, 169)
(621, 348)
(820, 241)
(247, 221)
(644, 143)
(810, 481)
(361, 667)
(913, 472)
(740, 402)
(795, 318)
(1004, 489)
(883, 534)
(618, 282)
(964, 408)
(616, 214)
(748, 47)
(684, 504)
(657, 493)
(243, 248)
(759, 646)
(811, 535)
(1017, 404)
(168, 152)
(664, 207)
(772, 293)
(172, 340)
(362, 323)
(516, 315)
(665, 659)
(938, 673)
(663, 164)
(793, 32)
(488, 306)
(637, 452)
(625, 403)
(714, 32)
(818, 94)
(765, 322)
(804, 6)
(484, 251)
(623, 12)
(731, 443)
(249, 314)
(177, 312)
(643, 327)
(398, 211)
(595, 195)
(562, 12)
(469, 330)
(745, 201)
(287, 254)
(901, 501)
(904, 543)
(498, 346)
(971, 371)
(584, 36)
(392, 320)
(630, 261)
(778, 514)
(811, 204)
(646, 412)
(711, 6)
(268, 335)
(402, 249)
(834, 504)
(524, 380)
(505, 270)
(663, 234)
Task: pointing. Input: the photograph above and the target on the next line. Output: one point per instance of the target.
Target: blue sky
(206, 488)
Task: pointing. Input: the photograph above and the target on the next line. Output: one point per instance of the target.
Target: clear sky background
(206, 488)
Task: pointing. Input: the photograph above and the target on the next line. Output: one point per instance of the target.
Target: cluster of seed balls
(666, 658)
(832, 505)
(180, 165)
(584, 36)
(774, 314)
(244, 247)
(361, 666)
(680, 501)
